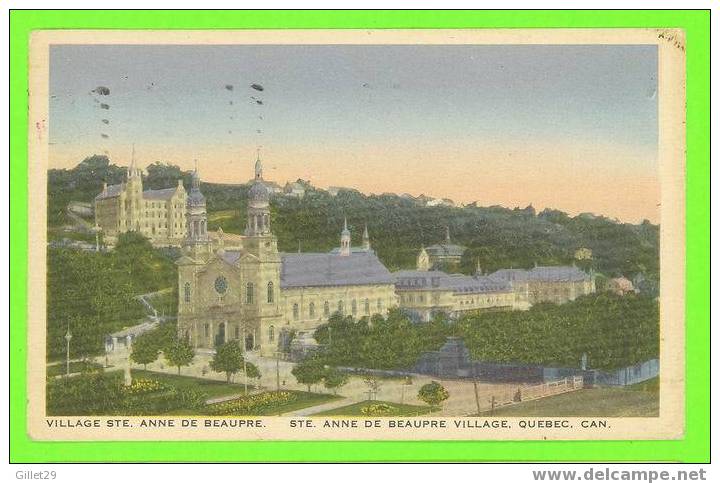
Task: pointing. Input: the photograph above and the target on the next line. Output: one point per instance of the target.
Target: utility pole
(475, 387)
(277, 370)
(244, 359)
(68, 337)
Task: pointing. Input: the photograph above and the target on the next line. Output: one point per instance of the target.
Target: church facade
(159, 215)
(248, 291)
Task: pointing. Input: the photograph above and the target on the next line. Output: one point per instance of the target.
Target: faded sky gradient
(570, 127)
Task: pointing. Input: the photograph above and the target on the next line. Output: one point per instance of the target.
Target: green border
(694, 448)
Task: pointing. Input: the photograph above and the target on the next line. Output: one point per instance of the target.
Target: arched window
(249, 295)
(367, 306)
(354, 307)
(207, 330)
(270, 293)
(187, 291)
(271, 333)
(312, 309)
(326, 310)
(296, 311)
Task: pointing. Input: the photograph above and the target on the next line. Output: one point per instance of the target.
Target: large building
(253, 293)
(157, 214)
(424, 294)
(445, 254)
(547, 284)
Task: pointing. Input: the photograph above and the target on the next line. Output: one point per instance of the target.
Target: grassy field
(392, 409)
(75, 366)
(303, 400)
(639, 400)
(212, 388)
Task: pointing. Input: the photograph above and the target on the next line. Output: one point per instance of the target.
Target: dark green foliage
(613, 331)
(82, 183)
(309, 372)
(497, 237)
(104, 393)
(252, 371)
(179, 353)
(161, 175)
(433, 394)
(144, 350)
(228, 359)
(94, 293)
(86, 394)
(334, 379)
(393, 342)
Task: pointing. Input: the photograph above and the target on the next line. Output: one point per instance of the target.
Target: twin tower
(258, 217)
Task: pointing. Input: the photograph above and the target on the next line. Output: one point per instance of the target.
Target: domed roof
(196, 198)
(259, 192)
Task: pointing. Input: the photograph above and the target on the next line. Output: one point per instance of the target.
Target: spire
(258, 167)
(478, 269)
(345, 240)
(447, 234)
(366, 239)
(196, 177)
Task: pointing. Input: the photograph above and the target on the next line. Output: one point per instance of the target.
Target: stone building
(442, 255)
(159, 215)
(546, 284)
(424, 294)
(253, 293)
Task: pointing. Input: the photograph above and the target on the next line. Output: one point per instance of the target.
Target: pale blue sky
(456, 99)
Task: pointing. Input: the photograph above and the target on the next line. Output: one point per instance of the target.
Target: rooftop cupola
(345, 238)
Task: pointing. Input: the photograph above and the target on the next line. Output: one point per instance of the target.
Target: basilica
(241, 288)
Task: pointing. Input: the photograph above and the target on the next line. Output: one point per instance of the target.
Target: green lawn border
(695, 447)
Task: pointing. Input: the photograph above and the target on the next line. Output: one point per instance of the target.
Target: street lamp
(68, 337)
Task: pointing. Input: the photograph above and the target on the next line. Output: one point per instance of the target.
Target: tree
(180, 353)
(334, 379)
(144, 350)
(309, 372)
(228, 359)
(252, 371)
(433, 394)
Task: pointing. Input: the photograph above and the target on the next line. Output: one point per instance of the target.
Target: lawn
(211, 387)
(378, 408)
(639, 400)
(299, 400)
(75, 366)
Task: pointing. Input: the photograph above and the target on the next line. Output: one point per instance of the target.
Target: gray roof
(112, 191)
(331, 269)
(542, 274)
(163, 194)
(231, 256)
(352, 250)
(445, 250)
(458, 283)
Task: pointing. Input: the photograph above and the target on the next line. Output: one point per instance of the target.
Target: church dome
(196, 198)
(259, 193)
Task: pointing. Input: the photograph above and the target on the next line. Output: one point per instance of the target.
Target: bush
(253, 404)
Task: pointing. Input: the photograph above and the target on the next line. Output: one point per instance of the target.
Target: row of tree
(612, 331)
(93, 294)
(496, 237)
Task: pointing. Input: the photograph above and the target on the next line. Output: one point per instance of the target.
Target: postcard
(357, 235)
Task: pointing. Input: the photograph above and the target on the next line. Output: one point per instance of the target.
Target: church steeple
(258, 167)
(447, 234)
(258, 221)
(366, 240)
(345, 240)
(197, 234)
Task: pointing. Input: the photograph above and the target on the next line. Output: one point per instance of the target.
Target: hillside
(496, 237)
